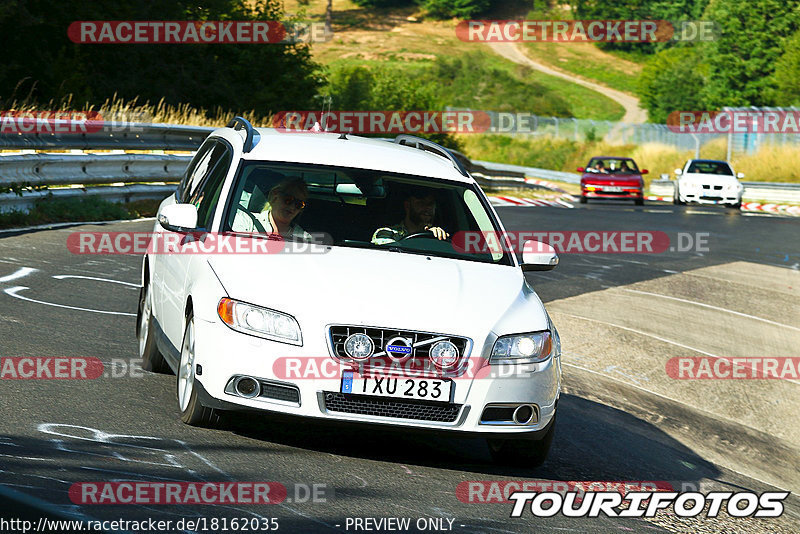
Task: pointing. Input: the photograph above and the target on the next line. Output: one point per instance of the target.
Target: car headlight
(258, 321)
(523, 348)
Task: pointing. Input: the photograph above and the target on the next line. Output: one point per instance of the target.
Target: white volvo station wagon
(362, 309)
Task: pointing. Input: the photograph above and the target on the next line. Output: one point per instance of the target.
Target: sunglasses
(290, 200)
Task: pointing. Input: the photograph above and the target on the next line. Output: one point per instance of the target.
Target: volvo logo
(398, 348)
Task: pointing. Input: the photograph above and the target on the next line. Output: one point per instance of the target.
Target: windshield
(710, 167)
(612, 166)
(359, 208)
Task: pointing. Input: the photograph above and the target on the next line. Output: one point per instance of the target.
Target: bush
(672, 80)
(463, 9)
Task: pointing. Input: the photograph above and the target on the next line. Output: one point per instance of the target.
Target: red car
(611, 177)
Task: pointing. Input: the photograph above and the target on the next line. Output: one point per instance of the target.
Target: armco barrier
(122, 193)
(96, 169)
(112, 135)
(772, 192)
(66, 169)
(558, 176)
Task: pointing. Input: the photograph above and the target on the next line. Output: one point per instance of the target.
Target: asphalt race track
(621, 418)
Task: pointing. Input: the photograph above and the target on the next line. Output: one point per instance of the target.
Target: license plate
(433, 389)
(612, 188)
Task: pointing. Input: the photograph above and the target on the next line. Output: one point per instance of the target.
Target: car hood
(384, 289)
(708, 179)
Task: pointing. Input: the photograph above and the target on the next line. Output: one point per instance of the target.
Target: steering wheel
(424, 233)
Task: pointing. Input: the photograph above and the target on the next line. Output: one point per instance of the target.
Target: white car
(317, 334)
(707, 181)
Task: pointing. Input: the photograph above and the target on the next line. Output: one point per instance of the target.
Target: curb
(779, 209)
(562, 202)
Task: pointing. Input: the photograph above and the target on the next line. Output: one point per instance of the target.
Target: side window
(205, 183)
(191, 171)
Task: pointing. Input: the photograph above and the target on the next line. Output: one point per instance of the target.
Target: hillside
(413, 49)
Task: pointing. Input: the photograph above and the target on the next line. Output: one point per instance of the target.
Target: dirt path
(633, 113)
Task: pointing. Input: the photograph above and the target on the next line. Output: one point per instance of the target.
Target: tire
(736, 206)
(677, 200)
(639, 202)
(152, 360)
(522, 452)
(583, 199)
(192, 411)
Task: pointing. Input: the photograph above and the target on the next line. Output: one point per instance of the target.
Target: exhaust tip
(523, 414)
(247, 387)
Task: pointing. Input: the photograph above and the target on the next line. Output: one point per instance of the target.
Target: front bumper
(223, 353)
(599, 191)
(720, 197)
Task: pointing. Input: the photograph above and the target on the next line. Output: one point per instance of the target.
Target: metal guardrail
(96, 169)
(67, 169)
(111, 135)
(559, 176)
(771, 192)
(122, 193)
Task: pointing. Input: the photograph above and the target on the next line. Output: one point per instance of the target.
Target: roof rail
(237, 123)
(430, 146)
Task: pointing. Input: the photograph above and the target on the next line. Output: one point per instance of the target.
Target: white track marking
(740, 314)
(63, 276)
(20, 273)
(710, 355)
(12, 291)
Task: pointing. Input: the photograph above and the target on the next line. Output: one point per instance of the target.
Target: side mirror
(665, 176)
(678, 172)
(538, 256)
(645, 171)
(581, 169)
(740, 175)
(178, 218)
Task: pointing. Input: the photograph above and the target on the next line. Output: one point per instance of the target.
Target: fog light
(359, 346)
(444, 354)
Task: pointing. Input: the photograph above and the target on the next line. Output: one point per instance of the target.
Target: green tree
(787, 74)
(671, 81)
(743, 59)
(40, 63)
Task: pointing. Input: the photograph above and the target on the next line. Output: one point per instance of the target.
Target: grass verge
(54, 210)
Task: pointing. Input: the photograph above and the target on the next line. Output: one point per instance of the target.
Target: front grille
(418, 362)
(270, 390)
(397, 408)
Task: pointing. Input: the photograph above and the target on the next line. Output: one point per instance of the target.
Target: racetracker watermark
(111, 243)
(181, 493)
(752, 368)
(383, 122)
(196, 32)
(50, 122)
(648, 503)
(50, 368)
(585, 31)
(579, 242)
(383, 367)
(735, 121)
(68, 368)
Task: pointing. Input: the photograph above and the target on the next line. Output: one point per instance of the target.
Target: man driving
(420, 209)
